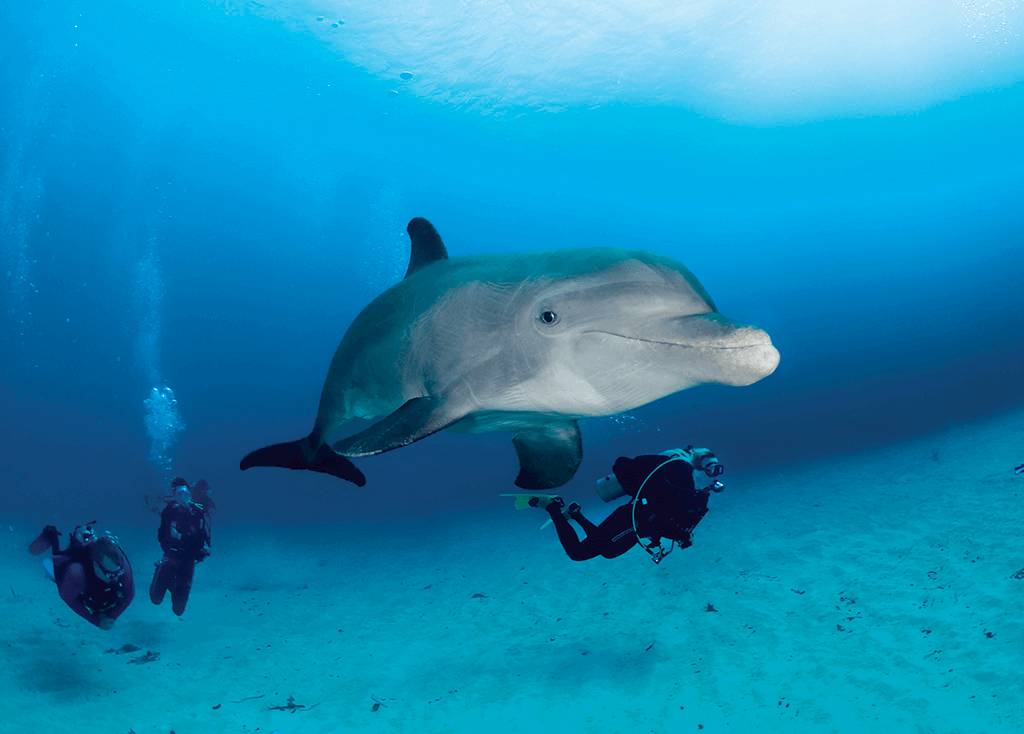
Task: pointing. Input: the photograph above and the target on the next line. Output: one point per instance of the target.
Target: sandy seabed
(868, 593)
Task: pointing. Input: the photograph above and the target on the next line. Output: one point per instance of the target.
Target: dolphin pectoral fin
(418, 418)
(548, 455)
(292, 455)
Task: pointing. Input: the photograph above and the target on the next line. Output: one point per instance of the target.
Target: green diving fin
(523, 501)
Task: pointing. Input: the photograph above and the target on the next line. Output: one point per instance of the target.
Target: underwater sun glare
(766, 62)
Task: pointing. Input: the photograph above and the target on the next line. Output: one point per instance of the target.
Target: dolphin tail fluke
(292, 455)
(548, 455)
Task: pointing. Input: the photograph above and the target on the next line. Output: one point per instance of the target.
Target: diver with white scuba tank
(664, 505)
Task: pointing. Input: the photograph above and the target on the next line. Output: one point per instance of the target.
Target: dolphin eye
(548, 317)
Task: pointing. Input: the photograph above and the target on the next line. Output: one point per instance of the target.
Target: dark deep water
(204, 201)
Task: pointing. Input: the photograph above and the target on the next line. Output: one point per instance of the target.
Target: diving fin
(523, 501)
(49, 539)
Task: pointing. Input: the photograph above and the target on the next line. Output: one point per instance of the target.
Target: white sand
(851, 595)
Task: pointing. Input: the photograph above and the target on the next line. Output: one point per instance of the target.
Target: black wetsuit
(670, 507)
(175, 571)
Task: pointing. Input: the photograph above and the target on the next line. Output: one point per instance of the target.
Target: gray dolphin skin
(522, 342)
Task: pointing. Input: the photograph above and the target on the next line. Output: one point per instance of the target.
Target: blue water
(197, 198)
(202, 200)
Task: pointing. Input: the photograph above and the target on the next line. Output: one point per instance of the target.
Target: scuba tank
(608, 488)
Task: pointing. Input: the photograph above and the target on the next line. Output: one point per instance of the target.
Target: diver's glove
(573, 511)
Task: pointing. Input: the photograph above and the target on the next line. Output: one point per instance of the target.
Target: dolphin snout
(715, 331)
(748, 336)
(733, 353)
(761, 360)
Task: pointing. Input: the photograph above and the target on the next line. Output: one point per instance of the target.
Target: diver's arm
(204, 531)
(588, 527)
(128, 593)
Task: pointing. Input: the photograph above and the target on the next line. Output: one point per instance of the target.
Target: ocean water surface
(197, 198)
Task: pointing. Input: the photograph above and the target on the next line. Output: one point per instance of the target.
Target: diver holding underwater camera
(664, 504)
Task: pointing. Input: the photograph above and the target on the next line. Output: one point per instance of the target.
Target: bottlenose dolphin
(522, 342)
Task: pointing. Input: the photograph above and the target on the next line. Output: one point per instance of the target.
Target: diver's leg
(616, 534)
(575, 513)
(574, 548)
(161, 581)
(61, 563)
(73, 586)
(182, 585)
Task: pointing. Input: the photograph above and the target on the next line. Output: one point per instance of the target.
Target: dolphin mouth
(760, 339)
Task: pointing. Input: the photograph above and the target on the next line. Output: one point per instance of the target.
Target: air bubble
(163, 424)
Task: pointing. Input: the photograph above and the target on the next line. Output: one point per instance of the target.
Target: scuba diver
(664, 503)
(184, 536)
(93, 576)
(202, 495)
(1018, 470)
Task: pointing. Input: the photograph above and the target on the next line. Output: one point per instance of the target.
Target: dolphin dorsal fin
(427, 246)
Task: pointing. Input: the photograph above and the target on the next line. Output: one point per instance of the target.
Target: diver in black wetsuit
(184, 535)
(664, 504)
(93, 576)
